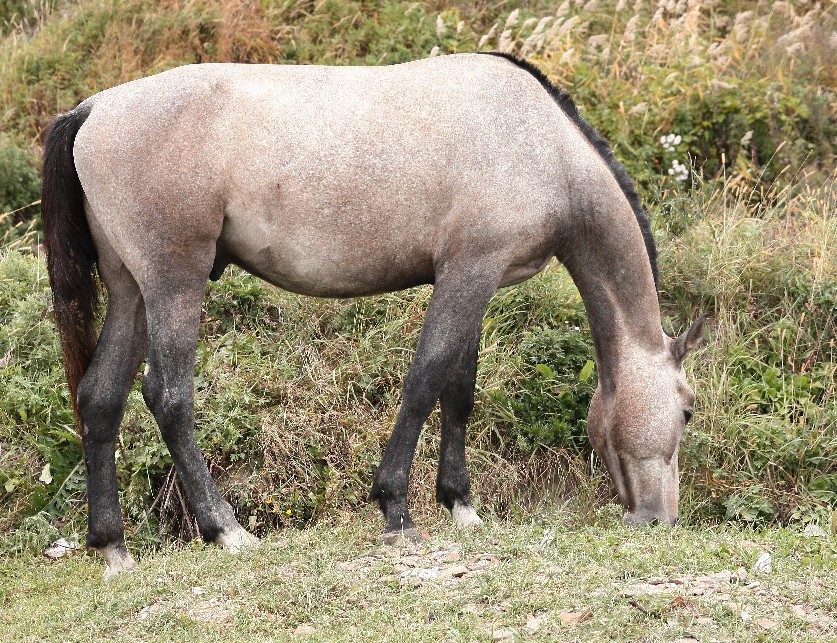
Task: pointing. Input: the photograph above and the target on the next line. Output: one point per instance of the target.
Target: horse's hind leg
(446, 348)
(102, 394)
(453, 488)
(173, 313)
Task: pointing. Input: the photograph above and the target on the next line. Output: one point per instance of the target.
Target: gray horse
(468, 172)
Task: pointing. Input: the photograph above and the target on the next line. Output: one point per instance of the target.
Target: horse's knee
(423, 385)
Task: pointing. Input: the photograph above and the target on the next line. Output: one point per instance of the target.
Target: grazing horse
(468, 172)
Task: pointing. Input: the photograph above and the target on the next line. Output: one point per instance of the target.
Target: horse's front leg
(168, 388)
(446, 349)
(453, 487)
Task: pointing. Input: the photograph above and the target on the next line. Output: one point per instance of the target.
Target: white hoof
(118, 561)
(464, 516)
(237, 540)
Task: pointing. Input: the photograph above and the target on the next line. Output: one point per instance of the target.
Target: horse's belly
(324, 263)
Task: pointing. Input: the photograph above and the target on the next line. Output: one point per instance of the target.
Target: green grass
(510, 580)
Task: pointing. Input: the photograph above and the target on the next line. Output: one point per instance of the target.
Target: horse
(469, 172)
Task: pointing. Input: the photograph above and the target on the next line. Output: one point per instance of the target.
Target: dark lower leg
(102, 394)
(168, 389)
(451, 329)
(392, 476)
(457, 402)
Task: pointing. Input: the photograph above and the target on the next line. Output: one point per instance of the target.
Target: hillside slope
(723, 112)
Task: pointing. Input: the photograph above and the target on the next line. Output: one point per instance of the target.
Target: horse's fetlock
(449, 492)
(389, 484)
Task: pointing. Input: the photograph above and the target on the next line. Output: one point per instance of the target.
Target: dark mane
(601, 146)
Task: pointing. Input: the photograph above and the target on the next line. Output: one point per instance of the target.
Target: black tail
(70, 252)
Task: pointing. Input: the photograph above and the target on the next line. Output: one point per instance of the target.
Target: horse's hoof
(237, 540)
(410, 536)
(118, 561)
(464, 516)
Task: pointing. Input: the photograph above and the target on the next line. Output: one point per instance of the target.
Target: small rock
(745, 616)
(723, 576)
(766, 623)
(576, 616)
(814, 531)
(533, 623)
(454, 571)
(447, 556)
(764, 564)
(480, 565)
(503, 634)
(422, 573)
(60, 548)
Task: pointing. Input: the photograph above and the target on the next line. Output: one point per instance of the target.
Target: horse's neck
(608, 261)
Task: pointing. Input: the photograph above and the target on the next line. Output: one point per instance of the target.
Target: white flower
(670, 141)
(678, 171)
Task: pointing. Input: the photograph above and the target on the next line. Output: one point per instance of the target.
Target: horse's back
(334, 180)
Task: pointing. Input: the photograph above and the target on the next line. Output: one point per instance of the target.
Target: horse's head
(636, 421)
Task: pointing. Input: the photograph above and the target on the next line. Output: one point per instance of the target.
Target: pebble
(764, 564)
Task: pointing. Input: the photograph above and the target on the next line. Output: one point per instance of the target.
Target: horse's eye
(687, 415)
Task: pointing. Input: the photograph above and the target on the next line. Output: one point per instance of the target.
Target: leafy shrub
(42, 457)
(15, 11)
(548, 405)
(20, 186)
(764, 446)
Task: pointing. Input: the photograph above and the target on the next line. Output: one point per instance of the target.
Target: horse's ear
(690, 340)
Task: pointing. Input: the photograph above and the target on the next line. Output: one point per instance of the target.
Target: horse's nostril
(687, 415)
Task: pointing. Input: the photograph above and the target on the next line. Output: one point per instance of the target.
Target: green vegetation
(538, 581)
(723, 112)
